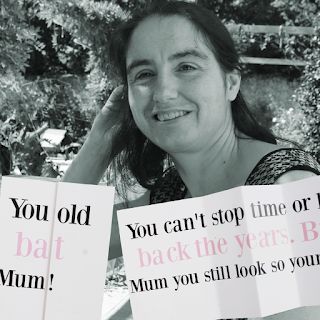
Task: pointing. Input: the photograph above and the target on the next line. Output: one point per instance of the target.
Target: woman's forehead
(165, 35)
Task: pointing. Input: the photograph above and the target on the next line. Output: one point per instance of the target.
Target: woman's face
(178, 94)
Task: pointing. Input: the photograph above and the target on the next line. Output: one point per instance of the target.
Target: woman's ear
(232, 84)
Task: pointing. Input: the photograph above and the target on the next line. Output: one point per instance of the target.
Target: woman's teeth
(170, 115)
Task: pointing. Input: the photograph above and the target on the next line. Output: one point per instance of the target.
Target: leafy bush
(265, 94)
(45, 41)
(304, 123)
(268, 12)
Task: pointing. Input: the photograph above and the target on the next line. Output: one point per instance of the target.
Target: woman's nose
(165, 89)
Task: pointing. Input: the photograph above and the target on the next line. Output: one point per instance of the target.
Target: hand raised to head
(110, 117)
(99, 147)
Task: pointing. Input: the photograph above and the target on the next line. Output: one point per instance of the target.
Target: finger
(115, 97)
(117, 94)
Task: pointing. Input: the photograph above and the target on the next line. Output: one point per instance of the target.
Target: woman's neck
(211, 170)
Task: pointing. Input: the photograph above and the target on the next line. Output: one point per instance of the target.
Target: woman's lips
(170, 115)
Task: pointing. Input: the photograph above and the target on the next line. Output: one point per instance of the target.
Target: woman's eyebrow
(189, 52)
(177, 55)
(137, 63)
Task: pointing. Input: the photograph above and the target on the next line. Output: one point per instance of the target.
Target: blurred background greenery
(54, 71)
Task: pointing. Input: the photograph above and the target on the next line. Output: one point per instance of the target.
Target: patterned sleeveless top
(273, 165)
(267, 171)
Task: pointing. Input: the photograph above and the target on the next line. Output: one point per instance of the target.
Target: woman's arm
(294, 175)
(95, 155)
(90, 163)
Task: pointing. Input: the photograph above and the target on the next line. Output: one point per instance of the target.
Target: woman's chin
(175, 146)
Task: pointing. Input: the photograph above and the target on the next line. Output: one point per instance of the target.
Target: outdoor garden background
(54, 72)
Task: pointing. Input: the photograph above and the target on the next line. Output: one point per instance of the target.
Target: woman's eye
(187, 67)
(143, 75)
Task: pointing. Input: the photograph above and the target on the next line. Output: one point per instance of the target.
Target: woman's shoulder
(251, 153)
(283, 164)
(294, 175)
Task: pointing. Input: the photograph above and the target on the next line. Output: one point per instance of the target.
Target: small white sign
(54, 241)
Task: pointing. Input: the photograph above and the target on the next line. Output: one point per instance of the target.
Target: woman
(181, 101)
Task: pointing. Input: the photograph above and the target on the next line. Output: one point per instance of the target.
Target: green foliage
(17, 38)
(73, 39)
(63, 108)
(304, 125)
(88, 22)
(268, 12)
(131, 5)
(308, 95)
(297, 12)
(244, 11)
(266, 94)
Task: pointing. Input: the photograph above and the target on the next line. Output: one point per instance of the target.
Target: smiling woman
(173, 78)
(180, 103)
(181, 73)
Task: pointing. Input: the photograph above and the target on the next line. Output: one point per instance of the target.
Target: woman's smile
(169, 115)
(165, 116)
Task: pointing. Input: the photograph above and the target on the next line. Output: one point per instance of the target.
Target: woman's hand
(107, 122)
(94, 156)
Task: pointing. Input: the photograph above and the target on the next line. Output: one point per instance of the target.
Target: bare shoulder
(251, 152)
(294, 175)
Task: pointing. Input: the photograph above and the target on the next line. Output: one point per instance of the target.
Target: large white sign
(251, 251)
(54, 240)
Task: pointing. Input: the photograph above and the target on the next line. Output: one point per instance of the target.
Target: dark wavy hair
(5, 160)
(133, 154)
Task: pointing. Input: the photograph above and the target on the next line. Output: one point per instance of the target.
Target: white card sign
(250, 251)
(54, 241)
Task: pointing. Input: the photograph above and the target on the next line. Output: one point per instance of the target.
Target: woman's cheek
(139, 95)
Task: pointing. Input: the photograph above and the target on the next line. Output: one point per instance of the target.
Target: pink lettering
(308, 231)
